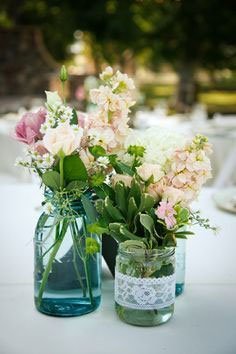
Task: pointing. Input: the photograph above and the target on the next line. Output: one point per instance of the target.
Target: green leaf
(169, 240)
(51, 179)
(104, 190)
(97, 151)
(115, 232)
(89, 209)
(182, 214)
(120, 167)
(120, 196)
(113, 211)
(136, 150)
(97, 179)
(74, 169)
(132, 210)
(74, 119)
(78, 185)
(135, 192)
(124, 231)
(99, 204)
(96, 229)
(147, 202)
(147, 222)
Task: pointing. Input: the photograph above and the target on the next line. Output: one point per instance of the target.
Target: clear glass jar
(67, 266)
(145, 285)
(180, 266)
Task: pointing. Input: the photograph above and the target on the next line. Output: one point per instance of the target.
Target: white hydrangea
(159, 144)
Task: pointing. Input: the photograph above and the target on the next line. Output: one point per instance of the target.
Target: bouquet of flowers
(145, 209)
(73, 153)
(149, 202)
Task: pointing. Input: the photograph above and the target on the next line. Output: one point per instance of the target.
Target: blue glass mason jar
(180, 253)
(67, 271)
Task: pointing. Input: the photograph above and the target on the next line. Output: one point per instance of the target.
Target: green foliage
(97, 179)
(97, 151)
(91, 246)
(74, 119)
(51, 179)
(78, 185)
(89, 209)
(135, 150)
(128, 213)
(74, 169)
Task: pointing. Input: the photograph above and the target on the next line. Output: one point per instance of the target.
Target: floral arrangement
(73, 154)
(141, 184)
(150, 202)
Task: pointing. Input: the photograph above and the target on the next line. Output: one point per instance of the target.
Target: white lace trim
(144, 293)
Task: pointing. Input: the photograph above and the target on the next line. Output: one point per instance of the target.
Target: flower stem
(88, 281)
(47, 270)
(61, 166)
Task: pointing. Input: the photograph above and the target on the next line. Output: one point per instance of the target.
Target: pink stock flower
(81, 119)
(28, 128)
(166, 212)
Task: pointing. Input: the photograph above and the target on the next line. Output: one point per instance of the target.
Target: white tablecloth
(205, 315)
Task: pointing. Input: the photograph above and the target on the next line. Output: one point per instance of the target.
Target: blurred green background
(182, 51)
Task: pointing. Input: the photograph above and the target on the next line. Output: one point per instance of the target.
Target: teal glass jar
(67, 279)
(145, 285)
(180, 254)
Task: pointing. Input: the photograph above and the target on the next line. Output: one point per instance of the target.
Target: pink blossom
(28, 128)
(81, 119)
(166, 212)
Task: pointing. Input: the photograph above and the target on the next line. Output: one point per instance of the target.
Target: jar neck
(75, 204)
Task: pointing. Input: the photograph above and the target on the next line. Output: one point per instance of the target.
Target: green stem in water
(47, 270)
(88, 281)
(75, 251)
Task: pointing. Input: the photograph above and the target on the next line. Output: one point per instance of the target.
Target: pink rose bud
(28, 128)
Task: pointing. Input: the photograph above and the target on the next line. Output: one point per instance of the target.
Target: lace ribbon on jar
(144, 293)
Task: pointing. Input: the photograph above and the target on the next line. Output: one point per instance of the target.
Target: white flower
(146, 170)
(62, 139)
(103, 161)
(65, 114)
(107, 73)
(48, 208)
(45, 161)
(53, 100)
(123, 82)
(105, 98)
(159, 143)
(103, 136)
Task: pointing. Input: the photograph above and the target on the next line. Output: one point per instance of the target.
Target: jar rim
(161, 252)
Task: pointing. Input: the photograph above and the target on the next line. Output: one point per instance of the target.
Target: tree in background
(187, 34)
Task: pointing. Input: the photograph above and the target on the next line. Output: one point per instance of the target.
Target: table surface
(205, 315)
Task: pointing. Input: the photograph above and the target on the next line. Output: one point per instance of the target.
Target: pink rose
(28, 128)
